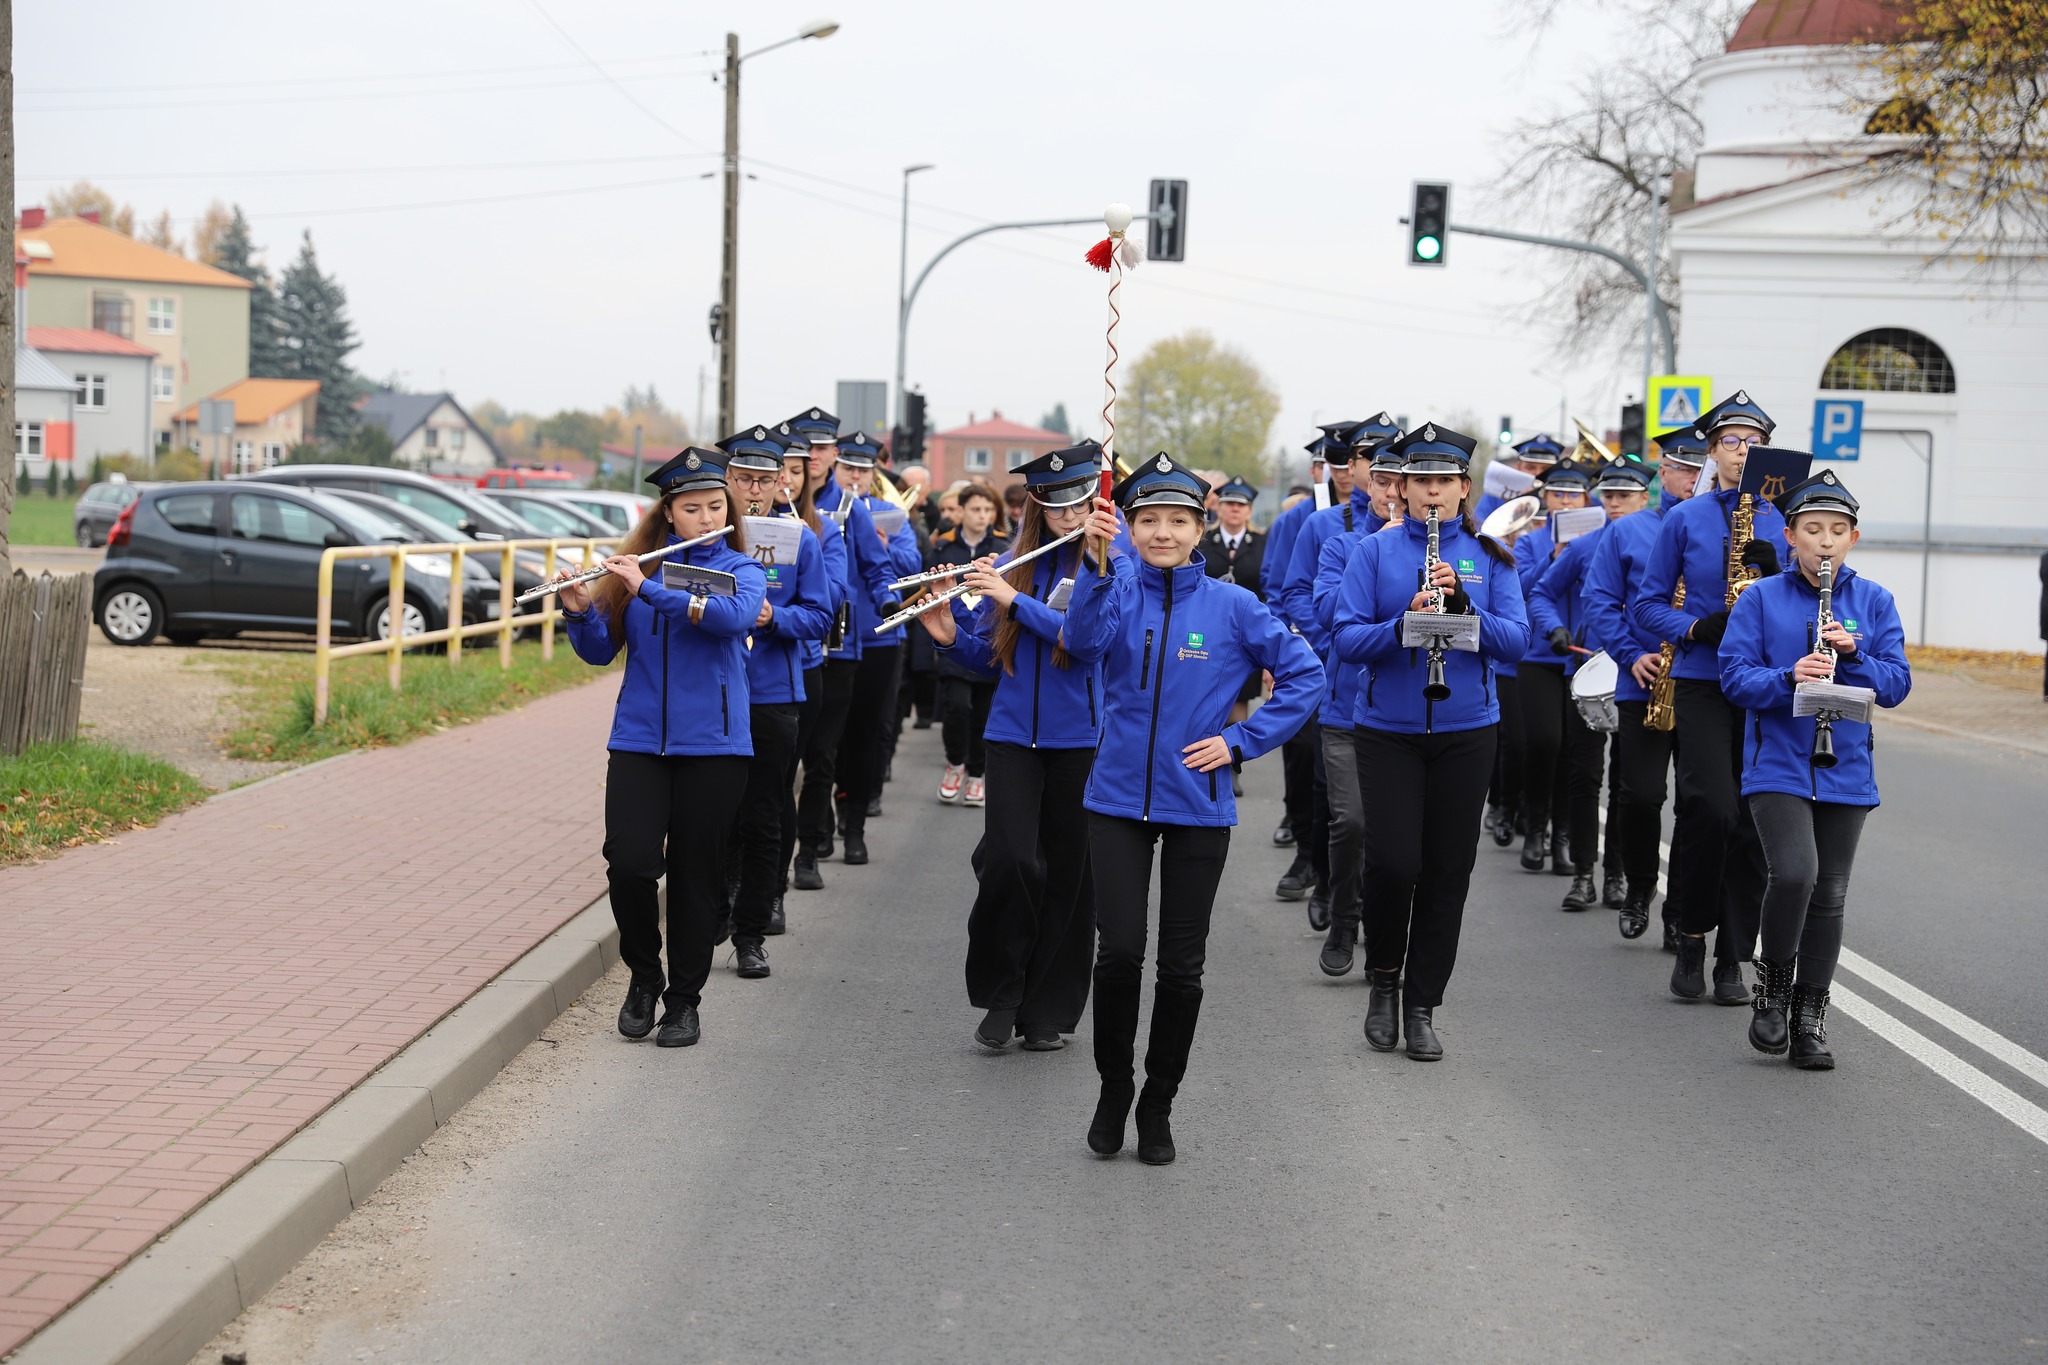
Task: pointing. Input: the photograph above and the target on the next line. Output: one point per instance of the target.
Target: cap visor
(1163, 497)
(1063, 494)
(1432, 464)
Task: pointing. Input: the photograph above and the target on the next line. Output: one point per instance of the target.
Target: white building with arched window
(1796, 286)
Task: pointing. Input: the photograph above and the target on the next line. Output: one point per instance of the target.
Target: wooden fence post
(44, 624)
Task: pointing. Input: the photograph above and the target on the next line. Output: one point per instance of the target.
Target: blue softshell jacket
(948, 548)
(1297, 573)
(901, 559)
(1384, 575)
(1555, 597)
(685, 689)
(1041, 705)
(1175, 648)
(801, 595)
(1340, 693)
(1769, 630)
(869, 568)
(1621, 556)
(832, 546)
(1694, 543)
(1280, 545)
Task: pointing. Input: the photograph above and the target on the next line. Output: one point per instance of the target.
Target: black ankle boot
(1503, 829)
(1688, 974)
(1174, 1013)
(1335, 959)
(1635, 915)
(1532, 851)
(1809, 1029)
(853, 825)
(1560, 858)
(1582, 896)
(1116, 1038)
(1383, 1012)
(1297, 879)
(1419, 1023)
(1613, 890)
(1768, 1027)
(1729, 988)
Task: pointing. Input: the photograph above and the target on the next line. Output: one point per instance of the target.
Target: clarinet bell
(1435, 688)
(1823, 745)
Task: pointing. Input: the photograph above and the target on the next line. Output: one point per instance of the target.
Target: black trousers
(757, 828)
(1506, 789)
(1562, 764)
(864, 741)
(1031, 934)
(967, 703)
(1319, 813)
(821, 753)
(669, 815)
(1719, 865)
(808, 711)
(1541, 687)
(1423, 798)
(1190, 869)
(1610, 851)
(1298, 775)
(1809, 847)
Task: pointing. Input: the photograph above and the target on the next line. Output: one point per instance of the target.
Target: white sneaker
(977, 791)
(949, 782)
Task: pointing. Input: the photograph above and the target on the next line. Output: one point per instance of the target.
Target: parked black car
(97, 507)
(190, 560)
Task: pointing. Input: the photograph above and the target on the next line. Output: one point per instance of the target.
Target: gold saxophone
(1741, 523)
(1662, 711)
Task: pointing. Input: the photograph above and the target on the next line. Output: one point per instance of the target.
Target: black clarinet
(1823, 755)
(1434, 688)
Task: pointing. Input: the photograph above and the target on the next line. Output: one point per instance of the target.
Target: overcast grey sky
(584, 252)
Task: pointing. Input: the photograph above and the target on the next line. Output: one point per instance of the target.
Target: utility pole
(8, 321)
(1651, 304)
(729, 270)
(634, 486)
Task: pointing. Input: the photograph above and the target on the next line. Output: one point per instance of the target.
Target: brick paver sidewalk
(176, 1004)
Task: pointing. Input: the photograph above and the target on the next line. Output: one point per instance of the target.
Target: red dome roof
(1818, 23)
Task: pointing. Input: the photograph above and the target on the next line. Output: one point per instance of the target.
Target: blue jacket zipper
(1158, 687)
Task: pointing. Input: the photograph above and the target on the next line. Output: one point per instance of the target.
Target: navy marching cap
(1824, 492)
(1684, 446)
(1619, 476)
(1539, 449)
(1431, 449)
(694, 468)
(1064, 478)
(814, 425)
(1739, 411)
(754, 448)
(1565, 478)
(1334, 436)
(1237, 490)
(859, 451)
(1369, 435)
(1162, 482)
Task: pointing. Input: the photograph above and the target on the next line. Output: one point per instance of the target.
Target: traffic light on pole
(1166, 232)
(913, 423)
(1429, 224)
(1507, 431)
(1633, 444)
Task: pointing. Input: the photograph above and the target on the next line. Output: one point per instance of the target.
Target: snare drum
(1593, 693)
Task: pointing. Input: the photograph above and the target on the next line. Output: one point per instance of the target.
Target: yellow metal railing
(325, 651)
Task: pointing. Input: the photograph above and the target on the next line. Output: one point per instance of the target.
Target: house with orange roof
(192, 318)
(987, 451)
(271, 416)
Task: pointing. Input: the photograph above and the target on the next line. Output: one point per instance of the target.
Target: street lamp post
(903, 281)
(729, 263)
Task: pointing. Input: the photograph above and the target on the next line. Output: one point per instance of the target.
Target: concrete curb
(167, 1303)
(1937, 728)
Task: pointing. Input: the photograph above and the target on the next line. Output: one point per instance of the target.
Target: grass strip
(58, 796)
(364, 713)
(40, 520)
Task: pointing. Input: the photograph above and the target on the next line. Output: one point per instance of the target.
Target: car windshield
(374, 525)
(554, 521)
(610, 512)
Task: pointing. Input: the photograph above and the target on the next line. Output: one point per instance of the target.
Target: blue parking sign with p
(1837, 428)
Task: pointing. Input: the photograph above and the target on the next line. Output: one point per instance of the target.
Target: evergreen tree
(1056, 420)
(234, 250)
(315, 338)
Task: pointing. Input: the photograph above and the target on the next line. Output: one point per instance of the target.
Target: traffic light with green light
(1429, 224)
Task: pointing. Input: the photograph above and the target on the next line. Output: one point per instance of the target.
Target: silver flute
(951, 571)
(920, 608)
(588, 575)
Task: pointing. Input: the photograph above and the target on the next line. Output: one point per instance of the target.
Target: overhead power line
(616, 84)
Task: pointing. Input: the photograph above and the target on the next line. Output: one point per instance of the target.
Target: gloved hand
(1708, 630)
(1560, 641)
(1761, 554)
(1458, 602)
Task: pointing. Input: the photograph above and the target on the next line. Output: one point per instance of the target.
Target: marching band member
(869, 574)
(1643, 754)
(1540, 682)
(1504, 795)
(1374, 503)
(1031, 935)
(796, 501)
(1235, 552)
(1809, 813)
(1721, 871)
(1174, 646)
(871, 711)
(1428, 760)
(967, 686)
(1298, 756)
(678, 761)
(1557, 616)
(796, 613)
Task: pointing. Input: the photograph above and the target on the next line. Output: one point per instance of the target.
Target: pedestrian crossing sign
(1677, 400)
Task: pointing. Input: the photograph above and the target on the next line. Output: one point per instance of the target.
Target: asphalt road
(1596, 1171)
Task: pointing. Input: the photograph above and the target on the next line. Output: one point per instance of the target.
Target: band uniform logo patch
(1849, 626)
(1467, 566)
(1057, 464)
(1195, 639)
(1193, 648)
(691, 461)
(1773, 489)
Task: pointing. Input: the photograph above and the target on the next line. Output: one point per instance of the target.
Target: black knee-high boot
(1174, 1011)
(1116, 1040)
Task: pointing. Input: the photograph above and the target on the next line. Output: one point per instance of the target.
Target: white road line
(1954, 1020)
(1938, 1059)
(2028, 1116)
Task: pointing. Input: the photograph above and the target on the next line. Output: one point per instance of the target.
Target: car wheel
(86, 540)
(132, 614)
(414, 617)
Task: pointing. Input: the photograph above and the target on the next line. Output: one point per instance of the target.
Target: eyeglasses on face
(1733, 442)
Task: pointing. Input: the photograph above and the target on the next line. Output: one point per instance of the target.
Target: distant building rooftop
(86, 250)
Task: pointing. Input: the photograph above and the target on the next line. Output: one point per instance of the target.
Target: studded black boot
(1809, 1029)
(1769, 1028)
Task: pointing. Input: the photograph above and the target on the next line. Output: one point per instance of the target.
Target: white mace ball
(1117, 216)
